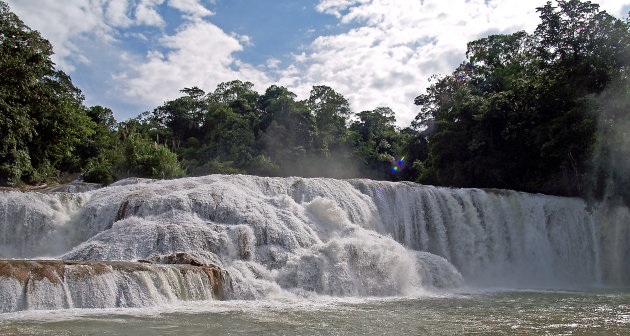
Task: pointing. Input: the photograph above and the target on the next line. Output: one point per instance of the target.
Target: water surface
(499, 313)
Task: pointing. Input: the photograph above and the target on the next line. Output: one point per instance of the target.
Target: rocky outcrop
(58, 284)
(72, 187)
(179, 258)
(183, 258)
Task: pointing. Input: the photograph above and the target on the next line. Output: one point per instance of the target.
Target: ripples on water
(507, 313)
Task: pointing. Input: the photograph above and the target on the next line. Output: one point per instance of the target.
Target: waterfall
(33, 285)
(496, 237)
(35, 224)
(299, 236)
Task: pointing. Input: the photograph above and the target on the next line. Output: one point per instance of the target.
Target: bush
(144, 158)
(216, 167)
(99, 170)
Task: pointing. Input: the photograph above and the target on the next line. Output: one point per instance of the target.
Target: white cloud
(618, 8)
(190, 7)
(273, 63)
(335, 7)
(201, 54)
(243, 39)
(146, 13)
(385, 61)
(116, 13)
(69, 24)
(400, 43)
(60, 21)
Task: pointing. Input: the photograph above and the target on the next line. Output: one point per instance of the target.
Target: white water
(34, 224)
(104, 286)
(287, 237)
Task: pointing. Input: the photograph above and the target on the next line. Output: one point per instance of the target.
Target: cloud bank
(383, 54)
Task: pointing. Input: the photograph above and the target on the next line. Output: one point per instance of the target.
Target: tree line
(540, 112)
(235, 129)
(543, 112)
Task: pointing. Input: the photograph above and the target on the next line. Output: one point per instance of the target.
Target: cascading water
(33, 285)
(294, 236)
(496, 237)
(35, 225)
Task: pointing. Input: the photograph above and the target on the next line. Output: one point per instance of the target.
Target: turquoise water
(495, 313)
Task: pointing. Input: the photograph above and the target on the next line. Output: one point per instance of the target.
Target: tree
(331, 111)
(133, 154)
(288, 129)
(581, 45)
(178, 120)
(103, 136)
(230, 122)
(519, 113)
(237, 95)
(41, 113)
(377, 141)
(144, 158)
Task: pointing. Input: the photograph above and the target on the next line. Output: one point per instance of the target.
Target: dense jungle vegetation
(542, 112)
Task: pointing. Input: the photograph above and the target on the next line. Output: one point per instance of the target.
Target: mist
(610, 181)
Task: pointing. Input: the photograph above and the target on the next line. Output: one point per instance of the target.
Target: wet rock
(61, 284)
(179, 258)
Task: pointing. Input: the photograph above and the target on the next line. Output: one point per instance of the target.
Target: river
(302, 256)
(499, 313)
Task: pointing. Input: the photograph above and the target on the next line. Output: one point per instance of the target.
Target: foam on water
(286, 237)
(38, 225)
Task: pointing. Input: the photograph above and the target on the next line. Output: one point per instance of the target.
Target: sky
(133, 55)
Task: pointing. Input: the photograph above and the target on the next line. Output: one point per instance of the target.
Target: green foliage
(520, 112)
(287, 131)
(134, 155)
(236, 130)
(216, 167)
(263, 165)
(542, 112)
(42, 119)
(375, 141)
(99, 170)
(143, 157)
(103, 137)
(331, 111)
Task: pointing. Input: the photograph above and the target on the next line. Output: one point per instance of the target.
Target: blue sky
(132, 55)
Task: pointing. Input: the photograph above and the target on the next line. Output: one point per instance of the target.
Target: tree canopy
(521, 111)
(36, 102)
(45, 130)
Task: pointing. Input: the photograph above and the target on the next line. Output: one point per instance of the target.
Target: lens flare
(399, 164)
